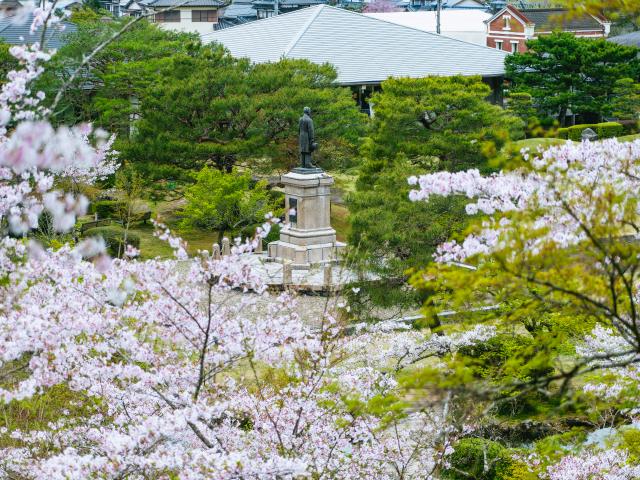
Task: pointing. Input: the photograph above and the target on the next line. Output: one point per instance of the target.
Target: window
(507, 22)
(210, 16)
(292, 213)
(499, 44)
(265, 13)
(172, 16)
(514, 47)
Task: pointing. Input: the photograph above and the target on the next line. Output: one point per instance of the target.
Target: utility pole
(438, 8)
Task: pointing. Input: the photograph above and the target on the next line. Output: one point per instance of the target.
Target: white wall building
(464, 24)
(195, 16)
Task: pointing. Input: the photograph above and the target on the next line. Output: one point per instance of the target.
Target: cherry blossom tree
(380, 6)
(182, 368)
(573, 212)
(553, 253)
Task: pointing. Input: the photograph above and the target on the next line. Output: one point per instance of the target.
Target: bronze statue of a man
(307, 139)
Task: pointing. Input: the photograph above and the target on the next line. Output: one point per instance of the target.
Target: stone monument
(307, 239)
(589, 134)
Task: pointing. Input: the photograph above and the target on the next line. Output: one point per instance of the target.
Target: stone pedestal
(308, 238)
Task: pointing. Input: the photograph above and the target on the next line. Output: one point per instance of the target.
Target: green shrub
(105, 208)
(609, 129)
(515, 471)
(250, 231)
(114, 238)
(604, 130)
(506, 355)
(563, 133)
(468, 460)
(630, 126)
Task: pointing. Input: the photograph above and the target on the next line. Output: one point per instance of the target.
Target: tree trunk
(220, 237)
(562, 116)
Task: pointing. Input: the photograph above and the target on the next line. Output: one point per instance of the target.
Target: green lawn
(340, 221)
(513, 148)
(629, 138)
(533, 143)
(166, 212)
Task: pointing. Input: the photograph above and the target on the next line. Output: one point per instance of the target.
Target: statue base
(306, 257)
(307, 171)
(307, 239)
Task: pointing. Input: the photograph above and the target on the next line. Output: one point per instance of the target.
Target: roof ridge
(260, 21)
(302, 31)
(550, 9)
(389, 22)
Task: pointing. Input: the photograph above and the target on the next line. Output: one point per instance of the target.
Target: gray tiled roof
(15, 33)
(363, 49)
(289, 3)
(630, 39)
(555, 18)
(239, 9)
(453, 3)
(8, 4)
(190, 3)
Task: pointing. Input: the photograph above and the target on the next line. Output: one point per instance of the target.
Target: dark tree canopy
(108, 87)
(565, 73)
(176, 104)
(7, 61)
(212, 109)
(420, 125)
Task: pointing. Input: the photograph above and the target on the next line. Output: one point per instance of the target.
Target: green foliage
(42, 410)
(436, 123)
(118, 75)
(604, 130)
(114, 237)
(176, 104)
(93, 5)
(105, 208)
(420, 125)
(391, 234)
(210, 109)
(609, 129)
(534, 331)
(517, 470)
(631, 441)
(508, 355)
(521, 105)
(226, 202)
(477, 458)
(554, 447)
(129, 184)
(625, 104)
(563, 72)
(7, 61)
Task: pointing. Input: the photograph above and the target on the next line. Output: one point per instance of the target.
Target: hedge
(106, 208)
(604, 130)
(114, 238)
(468, 457)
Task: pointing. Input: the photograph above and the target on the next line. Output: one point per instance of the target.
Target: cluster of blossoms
(574, 195)
(565, 188)
(173, 368)
(610, 464)
(170, 365)
(33, 153)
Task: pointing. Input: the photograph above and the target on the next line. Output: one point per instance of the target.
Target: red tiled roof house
(510, 28)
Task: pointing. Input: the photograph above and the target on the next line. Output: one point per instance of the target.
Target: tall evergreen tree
(211, 109)
(565, 73)
(420, 125)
